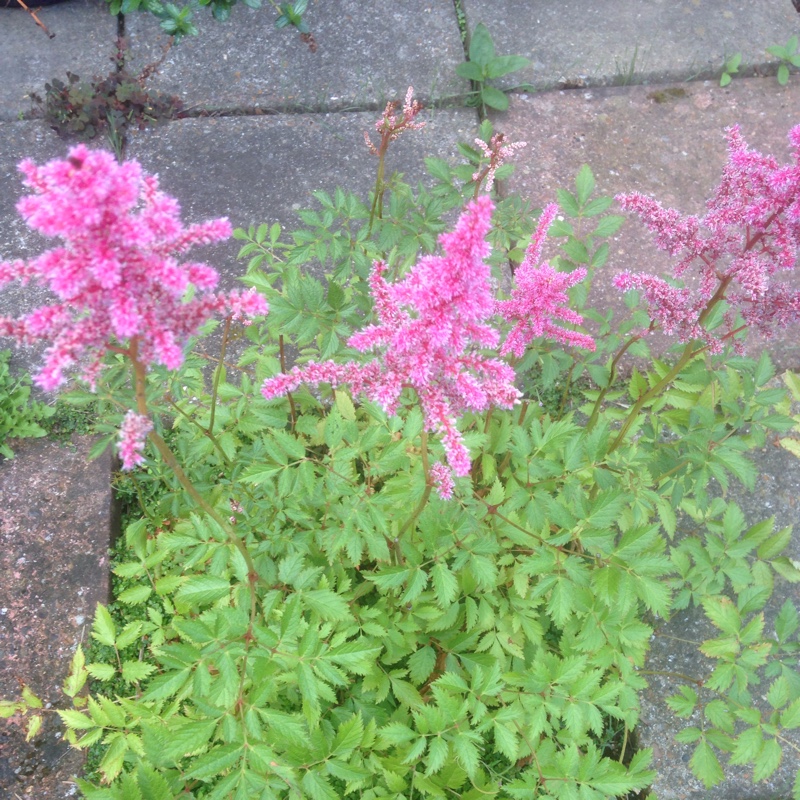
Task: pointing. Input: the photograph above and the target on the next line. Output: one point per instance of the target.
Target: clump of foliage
(363, 576)
(20, 416)
(108, 105)
(483, 66)
(789, 56)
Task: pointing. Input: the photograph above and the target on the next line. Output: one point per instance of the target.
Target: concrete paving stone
(647, 139)
(364, 58)
(617, 42)
(85, 33)
(263, 169)
(56, 519)
(776, 493)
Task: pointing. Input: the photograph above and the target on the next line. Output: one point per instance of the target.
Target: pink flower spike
(389, 127)
(430, 328)
(117, 275)
(540, 297)
(442, 480)
(132, 437)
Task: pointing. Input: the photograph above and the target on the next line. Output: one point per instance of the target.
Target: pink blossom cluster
(132, 436)
(117, 276)
(431, 326)
(497, 151)
(749, 234)
(540, 297)
(390, 127)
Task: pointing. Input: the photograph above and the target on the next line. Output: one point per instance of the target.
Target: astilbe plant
(311, 619)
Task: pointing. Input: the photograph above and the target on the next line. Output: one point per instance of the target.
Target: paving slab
(777, 492)
(666, 141)
(363, 58)
(56, 520)
(84, 35)
(618, 42)
(264, 168)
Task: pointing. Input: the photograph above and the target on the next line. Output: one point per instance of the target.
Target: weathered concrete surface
(365, 56)
(264, 168)
(647, 139)
(575, 43)
(84, 36)
(56, 519)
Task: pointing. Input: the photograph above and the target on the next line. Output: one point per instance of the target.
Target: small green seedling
(292, 14)
(789, 56)
(484, 65)
(730, 68)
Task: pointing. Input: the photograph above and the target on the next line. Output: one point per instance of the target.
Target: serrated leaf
(421, 664)
(317, 786)
(609, 225)
(30, 699)
(769, 760)
(723, 613)
(506, 741)
(787, 568)
(345, 405)
(201, 590)
(215, 762)
(438, 751)
(101, 672)
(133, 671)
(33, 727)
(135, 596)
(776, 544)
(329, 605)
(683, 704)
(111, 764)
(445, 584)
(153, 785)
(790, 717)
(103, 628)
(705, 765)
(349, 735)
(466, 754)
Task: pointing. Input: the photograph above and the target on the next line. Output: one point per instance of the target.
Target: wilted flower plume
(748, 236)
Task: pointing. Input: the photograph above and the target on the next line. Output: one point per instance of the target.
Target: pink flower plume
(540, 297)
(431, 326)
(132, 436)
(117, 274)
